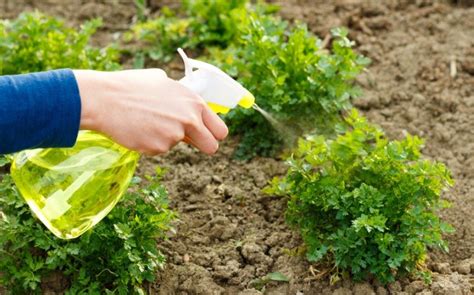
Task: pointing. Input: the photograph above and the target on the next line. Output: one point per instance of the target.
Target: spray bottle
(71, 189)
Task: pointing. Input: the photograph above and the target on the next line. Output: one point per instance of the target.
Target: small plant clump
(118, 256)
(34, 42)
(365, 203)
(215, 22)
(300, 83)
(198, 24)
(159, 38)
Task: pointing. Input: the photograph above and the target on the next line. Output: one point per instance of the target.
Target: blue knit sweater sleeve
(39, 110)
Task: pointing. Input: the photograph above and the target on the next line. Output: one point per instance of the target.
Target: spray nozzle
(218, 89)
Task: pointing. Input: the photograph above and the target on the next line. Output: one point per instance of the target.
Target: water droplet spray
(288, 133)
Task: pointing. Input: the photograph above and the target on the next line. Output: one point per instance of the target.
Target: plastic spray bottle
(71, 189)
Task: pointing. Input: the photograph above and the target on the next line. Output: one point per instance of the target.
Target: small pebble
(217, 179)
(186, 258)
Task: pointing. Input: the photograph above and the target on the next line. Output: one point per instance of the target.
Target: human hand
(146, 111)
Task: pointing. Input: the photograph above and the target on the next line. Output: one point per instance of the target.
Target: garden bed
(230, 235)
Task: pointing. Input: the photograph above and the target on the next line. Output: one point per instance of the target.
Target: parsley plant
(34, 42)
(364, 202)
(293, 78)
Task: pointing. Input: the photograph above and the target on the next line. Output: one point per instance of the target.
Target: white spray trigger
(188, 69)
(218, 89)
(191, 64)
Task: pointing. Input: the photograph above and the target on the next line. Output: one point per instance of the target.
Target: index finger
(214, 123)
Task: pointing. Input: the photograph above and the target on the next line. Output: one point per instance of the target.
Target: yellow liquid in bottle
(71, 189)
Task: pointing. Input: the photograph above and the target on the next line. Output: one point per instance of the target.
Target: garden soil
(231, 235)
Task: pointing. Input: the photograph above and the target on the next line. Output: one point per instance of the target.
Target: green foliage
(299, 83)
(142, 10)
(116, 257)
(4, 161)
(367, 203)
(159, 38)
(215, 22)
(35, 42)
(198, 25)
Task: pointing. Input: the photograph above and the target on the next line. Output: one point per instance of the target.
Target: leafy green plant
(118, 256)
(198, 24)
(365, 203)
(142, 10)
(215, 22)
(158, 38)
(302, 85)
(4, 161)
(35, 42)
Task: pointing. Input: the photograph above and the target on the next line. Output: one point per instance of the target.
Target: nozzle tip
(247, 101)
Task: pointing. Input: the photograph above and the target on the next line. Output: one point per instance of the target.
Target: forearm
(38, 110)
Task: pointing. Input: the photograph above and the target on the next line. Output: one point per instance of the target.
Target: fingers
(202, 139)
(214, 123)
(208, 132)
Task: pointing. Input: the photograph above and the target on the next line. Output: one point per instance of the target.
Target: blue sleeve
(39, 110)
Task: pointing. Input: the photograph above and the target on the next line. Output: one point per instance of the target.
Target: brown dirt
(231, 235)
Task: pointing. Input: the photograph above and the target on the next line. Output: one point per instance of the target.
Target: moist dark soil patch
(421, 81)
